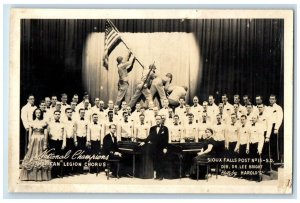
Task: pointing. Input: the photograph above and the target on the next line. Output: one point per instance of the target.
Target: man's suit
(159, 141)
(110, 146)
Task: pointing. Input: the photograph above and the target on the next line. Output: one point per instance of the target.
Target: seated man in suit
(110, 146)
(158, 137)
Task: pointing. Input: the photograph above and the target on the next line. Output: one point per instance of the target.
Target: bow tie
(142, 123)
(56, 121)
(260, 114)
(101, 110)
(69, 119)
(204, 122)
(232, 124)
(82, 119)
(243, 126)
(64, 104)
(218, 123)
(253, 124)
(95, 123)
(175, 124)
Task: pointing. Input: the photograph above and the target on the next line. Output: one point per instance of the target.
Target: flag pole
(123, 41)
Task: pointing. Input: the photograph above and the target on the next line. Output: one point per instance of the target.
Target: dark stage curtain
(243, 56)
(238, 56)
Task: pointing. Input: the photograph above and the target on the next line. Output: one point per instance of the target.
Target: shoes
(158, 178)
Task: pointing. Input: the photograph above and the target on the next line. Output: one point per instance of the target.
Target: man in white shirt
(203, 125)
(136, 114)
(98, 108)
(231, 136)
(27, 117)
(276, 138)
(165, 109)
(110, 107)
(75, 98)
(64, 99)
(180, 110)
(82, 104)
(241, 108)
(191, 130)
(243, 141)
(256, 145)
(48, 103)
(125, 129)
(27, 112)
(249, 113)
(224, 116)
(56, 135)
(246, 100)
(53, 102)
(196, 109)
(212, 108)
(141, 128)
(149, 112)
(219, 136)
(70, 143)
(175, 130)
(94, 139)
(228, 108)
(110, 120)
(82, 131)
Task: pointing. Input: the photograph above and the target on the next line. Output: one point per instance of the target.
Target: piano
(132, 148)
(128, 146)
(183, 150)
(186, 147)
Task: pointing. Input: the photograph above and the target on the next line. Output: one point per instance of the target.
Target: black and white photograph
(142, 101)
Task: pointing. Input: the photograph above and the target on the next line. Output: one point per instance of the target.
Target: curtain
(176, 53)
(243, 56)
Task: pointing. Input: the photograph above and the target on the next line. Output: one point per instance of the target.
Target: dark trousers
(276, 146)
(230, 153)
(253, 154)
(242, 155)
(57, 169)
(95, 149)
(159, 160)
(220, 149)
(69, 147)
(81, 145)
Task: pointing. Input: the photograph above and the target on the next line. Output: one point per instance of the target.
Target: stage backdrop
(177, 53)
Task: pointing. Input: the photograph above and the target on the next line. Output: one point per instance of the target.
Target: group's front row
(62, 148)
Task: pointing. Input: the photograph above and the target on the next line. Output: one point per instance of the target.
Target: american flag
(112, 39)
